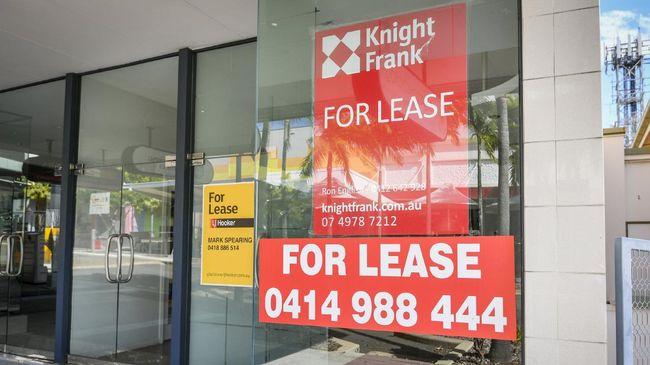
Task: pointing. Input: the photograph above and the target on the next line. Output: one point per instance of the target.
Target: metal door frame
(182, 214)
(182, 240)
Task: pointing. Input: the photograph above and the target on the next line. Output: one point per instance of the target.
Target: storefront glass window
(396, 122)
(221, 323)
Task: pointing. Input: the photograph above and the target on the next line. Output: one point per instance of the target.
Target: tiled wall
(566, 314)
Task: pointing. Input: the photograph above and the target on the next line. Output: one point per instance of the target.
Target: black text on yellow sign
(227, 248)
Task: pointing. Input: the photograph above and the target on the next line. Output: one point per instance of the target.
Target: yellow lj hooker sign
(228, 234)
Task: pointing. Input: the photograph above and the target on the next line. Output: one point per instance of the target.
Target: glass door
(122, 272)
(122, 253)
(31, 124)
(27, 243)
(12, 324)
(94, 296)
(145, 280)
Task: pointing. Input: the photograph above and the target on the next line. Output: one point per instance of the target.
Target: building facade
(316, 182)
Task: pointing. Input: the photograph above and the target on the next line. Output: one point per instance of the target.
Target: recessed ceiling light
(274, 24)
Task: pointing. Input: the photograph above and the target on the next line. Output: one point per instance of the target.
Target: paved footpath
(6, 359)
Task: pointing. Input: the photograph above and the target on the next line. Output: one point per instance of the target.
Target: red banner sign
(390, 126)
(453, 286)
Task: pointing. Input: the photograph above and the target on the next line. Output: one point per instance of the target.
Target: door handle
(3, 238)
(119, 259)
(129, 276)
(11, 240)
(106, 256)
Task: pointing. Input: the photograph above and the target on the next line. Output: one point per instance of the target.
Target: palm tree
(286, 144)
(264, 154)
(340, 145)
(483, 130)
(507, 112)
(504, 166)
(491, 125)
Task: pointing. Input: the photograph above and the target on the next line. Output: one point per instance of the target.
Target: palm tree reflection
(365, 153)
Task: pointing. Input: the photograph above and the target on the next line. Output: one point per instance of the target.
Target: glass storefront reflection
(338, 145)
(221, 317)
(122, 253)
(31, 146)
(392, 122)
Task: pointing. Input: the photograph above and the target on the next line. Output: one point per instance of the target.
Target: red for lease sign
(452, 286)
(390, 126)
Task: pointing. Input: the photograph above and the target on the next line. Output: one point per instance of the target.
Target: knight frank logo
(377, 46)
(334, 47)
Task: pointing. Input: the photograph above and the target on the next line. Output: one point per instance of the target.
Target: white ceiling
(42, 39)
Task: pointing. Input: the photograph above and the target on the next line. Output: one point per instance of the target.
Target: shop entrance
(122, 273)
(122, 252)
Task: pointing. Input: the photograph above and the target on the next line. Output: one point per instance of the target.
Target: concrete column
(564, 213)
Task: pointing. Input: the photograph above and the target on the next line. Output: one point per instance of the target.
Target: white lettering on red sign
(456, 286)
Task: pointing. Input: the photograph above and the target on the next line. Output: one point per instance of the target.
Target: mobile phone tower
(626, 60)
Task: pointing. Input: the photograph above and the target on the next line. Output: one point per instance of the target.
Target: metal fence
(632, 301)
